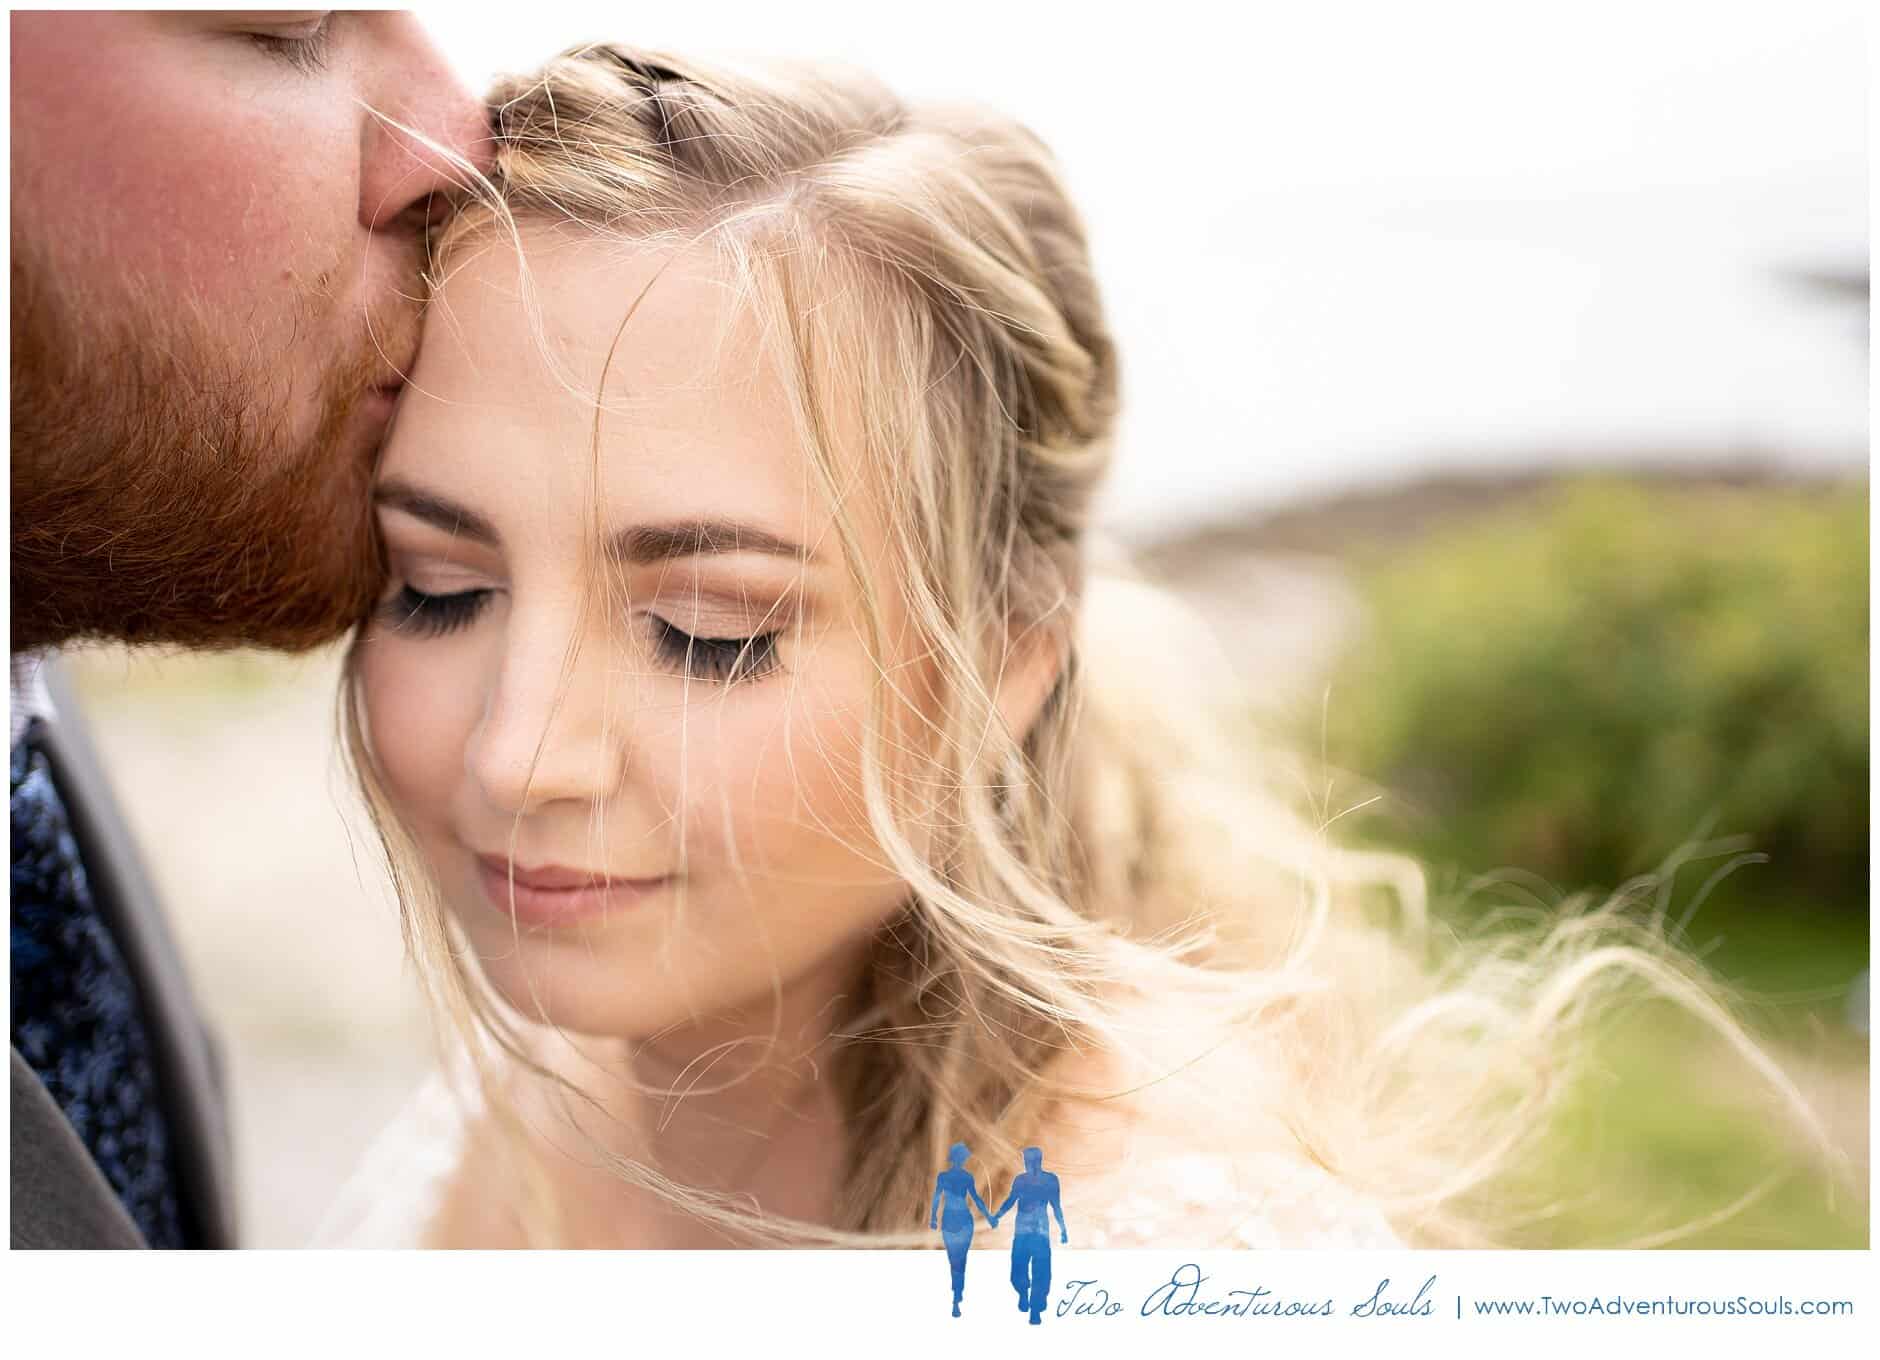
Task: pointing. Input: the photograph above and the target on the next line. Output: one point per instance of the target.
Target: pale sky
(1343, 243)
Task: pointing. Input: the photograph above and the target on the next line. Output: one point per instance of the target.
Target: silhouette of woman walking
(955, 1186)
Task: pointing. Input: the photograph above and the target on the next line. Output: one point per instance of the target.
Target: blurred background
(1496, 378)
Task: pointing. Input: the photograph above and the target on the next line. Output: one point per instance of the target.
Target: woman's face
(695, 828)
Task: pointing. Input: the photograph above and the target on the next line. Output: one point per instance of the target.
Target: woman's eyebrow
(643, 543)
(636, 545)
(437, 511)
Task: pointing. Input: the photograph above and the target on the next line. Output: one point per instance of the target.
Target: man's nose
(437, 131)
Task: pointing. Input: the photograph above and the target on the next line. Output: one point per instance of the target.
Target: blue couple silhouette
(1034, 1191)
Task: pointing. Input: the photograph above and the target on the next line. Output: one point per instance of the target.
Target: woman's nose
(550, 732)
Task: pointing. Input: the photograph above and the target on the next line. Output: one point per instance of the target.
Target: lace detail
(1181, 1199)
(1205, 1201)
(394, 1196)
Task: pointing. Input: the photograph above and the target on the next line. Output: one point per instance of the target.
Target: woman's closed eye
(412, 611)
(727, 660)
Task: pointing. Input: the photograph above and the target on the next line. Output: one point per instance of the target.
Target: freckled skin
(749, 792)
(172, 145)
(216, 254)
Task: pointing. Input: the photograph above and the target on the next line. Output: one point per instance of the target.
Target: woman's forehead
(654, 356)
(596, 316)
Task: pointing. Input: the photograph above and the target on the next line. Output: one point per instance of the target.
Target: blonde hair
(1123, 846)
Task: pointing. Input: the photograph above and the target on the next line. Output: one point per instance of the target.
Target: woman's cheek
(804, 810)
(411, 707)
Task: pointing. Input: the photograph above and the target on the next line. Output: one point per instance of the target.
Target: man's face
(217, 247)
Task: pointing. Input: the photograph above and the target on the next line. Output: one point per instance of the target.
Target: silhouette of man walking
(1034, 1191)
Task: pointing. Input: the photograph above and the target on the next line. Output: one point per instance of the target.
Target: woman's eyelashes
(413, 612)
(727, 660)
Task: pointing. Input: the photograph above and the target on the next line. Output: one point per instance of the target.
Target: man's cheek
(202, 201)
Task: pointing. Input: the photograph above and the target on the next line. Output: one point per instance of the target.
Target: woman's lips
(554, 895)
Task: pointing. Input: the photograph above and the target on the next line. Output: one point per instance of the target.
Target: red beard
(158, 495)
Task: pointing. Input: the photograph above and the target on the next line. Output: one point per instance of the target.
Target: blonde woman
(778, 794)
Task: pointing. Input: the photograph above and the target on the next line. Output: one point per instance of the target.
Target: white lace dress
(1202, 1200)
(1171, 1199)
(395, 1193)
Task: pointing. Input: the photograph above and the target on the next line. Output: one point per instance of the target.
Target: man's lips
(554, 894)
(383, 398)
(390, 373)
(390, 378)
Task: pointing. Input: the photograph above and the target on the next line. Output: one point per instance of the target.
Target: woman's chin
(582, 998)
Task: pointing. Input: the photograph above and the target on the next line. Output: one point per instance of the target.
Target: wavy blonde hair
(923, 266)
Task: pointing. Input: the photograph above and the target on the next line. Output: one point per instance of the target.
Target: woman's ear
(1033, 663)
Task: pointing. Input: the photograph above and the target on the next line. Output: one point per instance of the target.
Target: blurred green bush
(1577, 685)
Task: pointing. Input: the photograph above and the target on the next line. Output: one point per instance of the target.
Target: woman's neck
(742, 1104)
